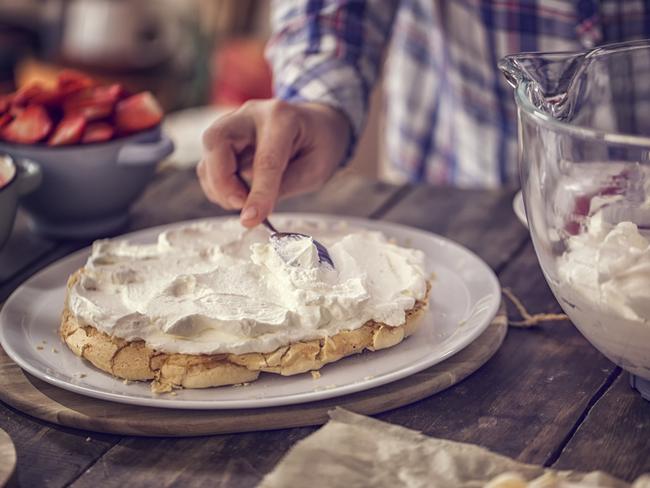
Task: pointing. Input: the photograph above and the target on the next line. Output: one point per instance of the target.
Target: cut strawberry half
(70, 81)
(93, 103)
(30, 126)
(138, 112)
(5, 101)
(68, 131)
(90, 111)
(5, 119)
(26, 94)
(47, 98)
(97, 132)
(15, 110)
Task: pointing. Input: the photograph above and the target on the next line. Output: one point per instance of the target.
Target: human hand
(282, 148)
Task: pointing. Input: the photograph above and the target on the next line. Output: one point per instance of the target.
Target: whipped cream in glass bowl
(592, 236)
(584, 161)
(591, 232)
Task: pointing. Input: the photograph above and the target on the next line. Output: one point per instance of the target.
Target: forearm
(330, 52)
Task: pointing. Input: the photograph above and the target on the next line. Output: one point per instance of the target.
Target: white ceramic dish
(519, 208)
(464, 298)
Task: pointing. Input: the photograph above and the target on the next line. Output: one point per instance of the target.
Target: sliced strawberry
(30, 126)
(70, 81)
(47, 98)
(572, 227)
(93, 103)
(97, 132)
(581, 205)
(138, 112)
(91, 111)
(15, 110)
(68, 131)
(5, 119)
(26, 94)
(5, 101)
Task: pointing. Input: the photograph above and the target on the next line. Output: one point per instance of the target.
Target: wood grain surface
(614, 434)
(46, 402)
(545, 397)
(7, 458)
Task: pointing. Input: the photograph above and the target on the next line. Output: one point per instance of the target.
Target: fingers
(222, 142)
(281, 148)
(274, 149)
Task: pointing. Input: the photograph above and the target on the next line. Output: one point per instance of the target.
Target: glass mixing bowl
(584, 156)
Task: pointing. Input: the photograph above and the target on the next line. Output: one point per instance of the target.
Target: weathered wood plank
(48, 455)
(175, 196)
(346, 194)
(221, 461)
(480, 220)
(526, 399)
(22, 248)
(615, 436)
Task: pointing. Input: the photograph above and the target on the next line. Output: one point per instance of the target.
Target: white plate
(464, 298)
(519, 208)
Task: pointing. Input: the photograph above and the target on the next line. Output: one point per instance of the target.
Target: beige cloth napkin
(352, 450)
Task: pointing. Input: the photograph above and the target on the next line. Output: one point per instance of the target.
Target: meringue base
(134, 360)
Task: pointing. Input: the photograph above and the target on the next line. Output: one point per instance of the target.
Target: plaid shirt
(450, 116)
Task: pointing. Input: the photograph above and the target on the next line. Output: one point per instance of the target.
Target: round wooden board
(47, 402)
(7, 458)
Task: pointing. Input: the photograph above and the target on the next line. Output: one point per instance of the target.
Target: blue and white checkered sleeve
(329, 51)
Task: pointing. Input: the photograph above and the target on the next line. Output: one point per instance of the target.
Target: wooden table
(547, 397)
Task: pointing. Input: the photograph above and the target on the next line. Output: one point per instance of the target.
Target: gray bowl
(22, 177)
(87, 189)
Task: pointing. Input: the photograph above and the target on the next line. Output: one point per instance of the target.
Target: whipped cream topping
(610, 264)
(216, 287)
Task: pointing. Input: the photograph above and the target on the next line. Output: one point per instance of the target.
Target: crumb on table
(315, 374)
(40, 348)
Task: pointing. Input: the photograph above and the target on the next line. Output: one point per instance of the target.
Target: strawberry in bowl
(60, 116)
(97, 146)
